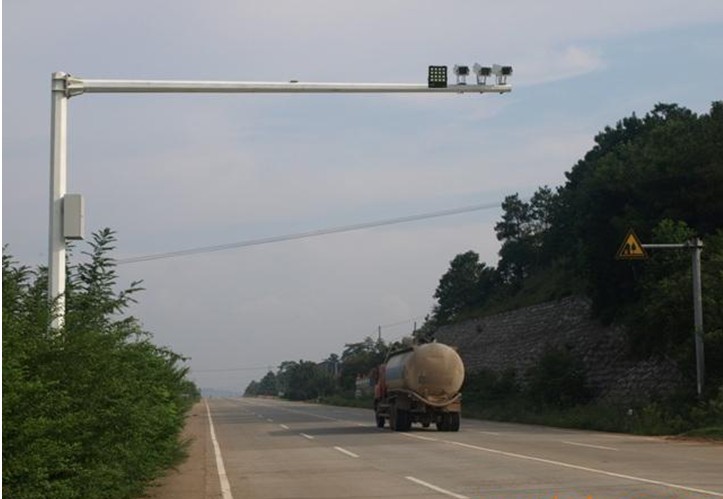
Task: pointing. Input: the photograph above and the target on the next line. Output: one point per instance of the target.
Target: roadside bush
(94, 409)
(558, 380)
(486, 386)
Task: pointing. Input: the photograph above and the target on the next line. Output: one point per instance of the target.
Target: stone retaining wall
(517, 339)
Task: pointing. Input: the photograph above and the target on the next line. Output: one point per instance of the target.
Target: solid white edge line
(592, 470)
(589, 445)
(344, 451)
(222, 478)
(435, 488)
(306, 436)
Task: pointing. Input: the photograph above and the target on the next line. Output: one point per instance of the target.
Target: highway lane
(280, 449)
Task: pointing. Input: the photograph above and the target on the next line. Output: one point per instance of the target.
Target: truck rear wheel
(453, 422)
(380, 421)
(402, 421)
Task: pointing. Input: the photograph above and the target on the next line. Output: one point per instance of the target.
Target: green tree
(523, 231)
(304, 380)
(359, 359)
(668, 164)
(267, 385)
(466, 285)
(252, 390)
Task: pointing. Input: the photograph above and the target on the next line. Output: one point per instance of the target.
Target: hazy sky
(170, 172)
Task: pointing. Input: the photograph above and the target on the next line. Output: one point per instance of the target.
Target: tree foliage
(661, 174)
(466, 285)
(358, 359)
(667, 165)
(93, 409)
(522, 230)
(304, 380)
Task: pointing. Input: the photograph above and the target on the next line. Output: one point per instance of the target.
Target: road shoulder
(195, 478)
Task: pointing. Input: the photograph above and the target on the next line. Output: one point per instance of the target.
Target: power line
(303, 235)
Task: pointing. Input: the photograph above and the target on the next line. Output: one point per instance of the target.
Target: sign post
(633, 249)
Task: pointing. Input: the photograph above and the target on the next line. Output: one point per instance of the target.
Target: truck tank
(433, 371)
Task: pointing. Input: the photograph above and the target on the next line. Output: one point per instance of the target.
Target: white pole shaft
(58, 169)
(77, 86)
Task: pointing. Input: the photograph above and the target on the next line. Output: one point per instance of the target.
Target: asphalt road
(267, 448)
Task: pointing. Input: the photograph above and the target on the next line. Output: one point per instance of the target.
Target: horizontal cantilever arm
(77, 86)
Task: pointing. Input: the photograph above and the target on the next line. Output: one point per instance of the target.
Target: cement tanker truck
(419, 384)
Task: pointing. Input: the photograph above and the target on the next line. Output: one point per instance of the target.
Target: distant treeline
(93, 409)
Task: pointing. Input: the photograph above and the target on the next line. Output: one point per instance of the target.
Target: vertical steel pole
(697, 246)
(58, 167)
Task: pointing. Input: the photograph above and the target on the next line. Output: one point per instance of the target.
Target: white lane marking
(222, 478)
(429, 439)
(435, 488)
(284, 426)
(632, 437)
(344, 451)
(313, 415)
(269, 420)
(306, 436)
(591, 470)
(490, 433)
(589, 445)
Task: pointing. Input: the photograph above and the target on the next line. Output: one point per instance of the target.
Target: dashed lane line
(344, 451)
(306, 436)
(419, 437)
(435, 488)
(589, 445)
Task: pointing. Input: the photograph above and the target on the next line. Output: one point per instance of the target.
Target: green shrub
(93, 409)
(557, 380)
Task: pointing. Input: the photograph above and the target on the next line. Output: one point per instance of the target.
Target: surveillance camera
(482, 70)
(462, 72)
(501, 72)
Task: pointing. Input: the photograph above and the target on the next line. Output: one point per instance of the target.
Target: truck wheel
(402, 422)
(453, 422)
(380, 421)
(443, 423)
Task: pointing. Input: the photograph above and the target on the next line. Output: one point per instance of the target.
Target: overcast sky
(171, 172)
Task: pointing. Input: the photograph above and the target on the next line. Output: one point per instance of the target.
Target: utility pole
(65, 86)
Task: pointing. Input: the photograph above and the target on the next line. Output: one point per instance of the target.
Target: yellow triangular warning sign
(632, 248)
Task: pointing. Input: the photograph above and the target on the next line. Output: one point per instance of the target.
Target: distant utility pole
(66, 217)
